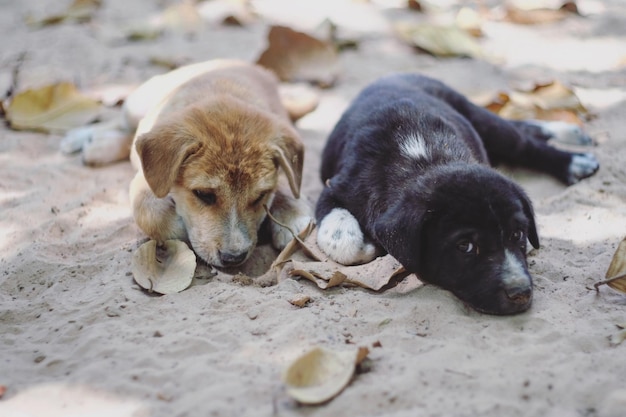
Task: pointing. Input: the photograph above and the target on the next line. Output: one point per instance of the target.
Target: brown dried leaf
(166, 270)
(52, 108)
(296, 56)
(321, 374)
(548, 101)
(540, 15)
(79, 11)
(381, 273)
(438, 40)
(300, 300)
(616, 274)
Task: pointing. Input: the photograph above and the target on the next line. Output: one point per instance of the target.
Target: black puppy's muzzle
(520, 295)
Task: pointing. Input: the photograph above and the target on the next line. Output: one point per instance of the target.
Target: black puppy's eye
(518, 236)
(467, 246)
(208, 197)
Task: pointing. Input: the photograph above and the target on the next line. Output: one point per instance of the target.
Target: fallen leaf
(299, 99)
(181, 17)
(470, 21)
(549, 101)
(300, 300)
(321, 374)
(226, 12)
(78, 11)
(296, 56)
(439, 40)
(165, 270)
(539, 15)
(414, 5)
(615, 276)
(52, 108)
(3, 390)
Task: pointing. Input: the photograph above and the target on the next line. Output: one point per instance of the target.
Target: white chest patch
(414, 147)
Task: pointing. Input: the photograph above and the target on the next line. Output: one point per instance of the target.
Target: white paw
(582, 166)
(565, 132)
(340, 237)
(106, 146)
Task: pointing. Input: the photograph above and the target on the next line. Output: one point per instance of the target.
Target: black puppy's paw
(582, 165)
(564, 132)
(340, 237)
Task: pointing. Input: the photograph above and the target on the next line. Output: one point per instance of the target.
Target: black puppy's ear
(399, 231)
(533, 237)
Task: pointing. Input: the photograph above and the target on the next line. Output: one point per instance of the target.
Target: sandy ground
(79, 338)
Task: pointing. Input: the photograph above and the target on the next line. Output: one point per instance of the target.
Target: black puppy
(407, 172)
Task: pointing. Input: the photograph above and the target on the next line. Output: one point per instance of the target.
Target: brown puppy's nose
(519, 295)
(232, 259)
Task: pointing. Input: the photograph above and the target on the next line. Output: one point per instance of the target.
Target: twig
(608, 281)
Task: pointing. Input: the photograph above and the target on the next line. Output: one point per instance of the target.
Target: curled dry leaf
(52, 108)
(615, 276)
(164, 270)
(439, 40)
(300, 300)
(295, 56)
(321, 374)
(549, 101)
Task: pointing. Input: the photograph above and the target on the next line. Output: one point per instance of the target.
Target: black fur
(424, 211)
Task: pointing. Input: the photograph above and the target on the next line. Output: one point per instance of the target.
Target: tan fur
(225, 134)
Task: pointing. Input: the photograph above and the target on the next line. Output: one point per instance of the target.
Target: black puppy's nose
(232, 259)
(519, 294)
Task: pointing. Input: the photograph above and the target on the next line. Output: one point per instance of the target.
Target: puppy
(214, 145)
(407, 173)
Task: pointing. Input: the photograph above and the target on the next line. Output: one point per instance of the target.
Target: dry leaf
(550, 101)
(300, 300)
(296, 56)
(615, 276)
(321, 374)
(539, 15)
(166, 270)
(470, 21)
(79, 11)
(181, 17)
(438, 40)
(52, 108)
(299, 99)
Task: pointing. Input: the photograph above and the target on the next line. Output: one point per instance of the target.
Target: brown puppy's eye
(208, 197)
(259, 198)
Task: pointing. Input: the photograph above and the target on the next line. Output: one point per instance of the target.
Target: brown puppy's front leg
(155, 216)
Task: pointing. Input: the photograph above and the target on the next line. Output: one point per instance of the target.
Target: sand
(79, 338)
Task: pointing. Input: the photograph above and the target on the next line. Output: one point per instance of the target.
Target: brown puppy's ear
(289, 152)
(162, 151)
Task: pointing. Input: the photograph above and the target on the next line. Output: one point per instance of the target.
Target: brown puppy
(213, 151)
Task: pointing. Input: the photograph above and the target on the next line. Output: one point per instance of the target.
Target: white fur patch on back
(413, 146)
(340, 237)
(564, 132)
